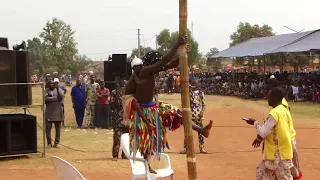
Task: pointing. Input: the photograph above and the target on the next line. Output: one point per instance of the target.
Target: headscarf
(151, 58)
(136, 62)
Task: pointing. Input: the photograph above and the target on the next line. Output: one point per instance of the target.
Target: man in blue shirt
(78, 101)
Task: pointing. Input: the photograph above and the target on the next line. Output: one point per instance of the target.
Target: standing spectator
(170, 82)
(47, 79)
(102, 107)
(177, 84)
(91, 99)
(78, 101)
(85, 79)
(120, 125)
(198, 106)
(295, 91)
(53, 113)
(56, 83)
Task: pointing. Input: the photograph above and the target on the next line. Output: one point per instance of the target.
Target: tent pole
(185, 96)
(264, 63)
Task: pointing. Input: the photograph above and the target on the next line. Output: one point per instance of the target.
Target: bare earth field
(229, 145)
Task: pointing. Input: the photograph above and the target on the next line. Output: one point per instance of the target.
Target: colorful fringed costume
(140, 139)
(162, 117)
(171, 116)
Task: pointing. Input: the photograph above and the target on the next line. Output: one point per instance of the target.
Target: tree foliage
(246, 31)
(143, 51)
(56, 49)
(213, 63)
(167, 40)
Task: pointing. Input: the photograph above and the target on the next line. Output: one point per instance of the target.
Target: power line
(151, 38)
(108, 52)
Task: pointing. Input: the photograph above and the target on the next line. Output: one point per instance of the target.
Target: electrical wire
(108, 52)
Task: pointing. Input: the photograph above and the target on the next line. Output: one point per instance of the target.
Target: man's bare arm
(174, 63)
(157, 67)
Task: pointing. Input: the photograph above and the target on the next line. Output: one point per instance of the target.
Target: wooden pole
(185, 96)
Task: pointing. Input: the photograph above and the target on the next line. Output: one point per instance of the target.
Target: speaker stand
(25, 110)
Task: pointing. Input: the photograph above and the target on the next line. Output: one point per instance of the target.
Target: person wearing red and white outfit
(102, 107)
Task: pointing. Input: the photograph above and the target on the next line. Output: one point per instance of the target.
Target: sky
(105, 27)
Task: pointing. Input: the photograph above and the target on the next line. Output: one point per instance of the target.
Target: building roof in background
(95, 66)
(262, 45)
(304, 44)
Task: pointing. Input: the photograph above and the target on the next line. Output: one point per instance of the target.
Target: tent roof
(260, 46)
(304, 44)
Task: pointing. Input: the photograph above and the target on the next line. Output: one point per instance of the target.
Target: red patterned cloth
(171, 116)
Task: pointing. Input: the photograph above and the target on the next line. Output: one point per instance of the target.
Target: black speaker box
(119, 64)
(14, 68)
(129, 69)
(8, 75)
(4, 42)
(109, 74)
(18, 134)
(23, 75)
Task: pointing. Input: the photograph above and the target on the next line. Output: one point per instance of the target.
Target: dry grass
(97, 144)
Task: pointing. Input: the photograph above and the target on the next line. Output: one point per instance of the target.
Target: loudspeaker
(18, 134)
(14, 68)
(17, 47)
(109, 75)
(129, 69)
(4, 42)
(8, 75)
(119, 64)
(23, 75)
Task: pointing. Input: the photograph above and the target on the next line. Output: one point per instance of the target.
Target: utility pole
(157, 42)
(139, 46)
(144, 46)
(192, 28)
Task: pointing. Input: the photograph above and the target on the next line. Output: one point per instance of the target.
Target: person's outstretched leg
(205, 131)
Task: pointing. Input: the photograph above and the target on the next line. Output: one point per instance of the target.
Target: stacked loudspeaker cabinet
(12, 126)
(15, 88)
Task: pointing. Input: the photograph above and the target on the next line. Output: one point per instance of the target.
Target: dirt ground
(229, 145)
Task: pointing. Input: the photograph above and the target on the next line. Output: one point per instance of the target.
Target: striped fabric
(140, 140)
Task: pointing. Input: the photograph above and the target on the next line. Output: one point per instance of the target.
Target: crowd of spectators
(248, 85)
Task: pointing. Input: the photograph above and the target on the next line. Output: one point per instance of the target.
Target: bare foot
(152, 171)
(202, 151)
(114, 159)
(206, 129)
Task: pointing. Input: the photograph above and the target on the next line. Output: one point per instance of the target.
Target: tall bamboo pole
(185, 96)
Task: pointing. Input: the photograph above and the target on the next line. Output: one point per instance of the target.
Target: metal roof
(261, 46)
(304, 44)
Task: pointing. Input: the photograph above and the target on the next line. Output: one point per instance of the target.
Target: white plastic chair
(65, 170)
(140, 168)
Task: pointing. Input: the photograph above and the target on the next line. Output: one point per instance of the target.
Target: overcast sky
(104, 27)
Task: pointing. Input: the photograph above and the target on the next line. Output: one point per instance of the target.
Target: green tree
(246, 31)
(79, 64)
(212, 52)
(143, 51)
(295, 60)
(55, 50)
(167, 40)
(213, 63)
(39, 60)
(60, 45)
